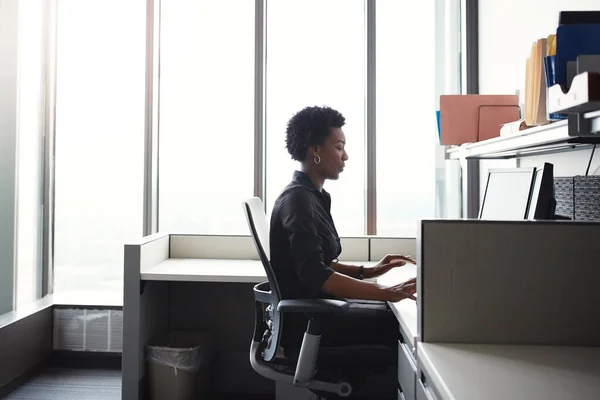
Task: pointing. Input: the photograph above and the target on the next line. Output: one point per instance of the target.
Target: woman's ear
(313, 150)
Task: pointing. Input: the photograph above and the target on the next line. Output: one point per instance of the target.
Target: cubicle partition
(508, 309)
(364, 248)
(212, 247)
(497, 302)
(144, 309)
(519, 282)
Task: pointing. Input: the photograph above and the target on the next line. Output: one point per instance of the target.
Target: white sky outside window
(206, 154)
(316, 56)
(99, 176)
(406, 124)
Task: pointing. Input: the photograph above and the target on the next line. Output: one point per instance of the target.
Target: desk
(406, 314)
(474, 372)
(206, 270)
(196, 294)
(213, 270)
(405, 310)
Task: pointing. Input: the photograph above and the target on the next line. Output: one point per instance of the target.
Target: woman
(305, 245)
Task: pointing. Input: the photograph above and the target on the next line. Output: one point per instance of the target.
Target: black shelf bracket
(579, 125)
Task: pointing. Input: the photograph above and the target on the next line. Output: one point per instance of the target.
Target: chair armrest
(313, 306)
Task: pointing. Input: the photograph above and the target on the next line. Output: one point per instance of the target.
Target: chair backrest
(259, 229)
(269, 321)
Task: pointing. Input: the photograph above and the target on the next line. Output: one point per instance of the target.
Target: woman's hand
(405, 290)
(387, 263)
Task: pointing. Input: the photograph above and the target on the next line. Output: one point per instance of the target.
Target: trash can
(179, 365)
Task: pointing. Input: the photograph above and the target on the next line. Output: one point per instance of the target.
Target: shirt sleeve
(298, 220)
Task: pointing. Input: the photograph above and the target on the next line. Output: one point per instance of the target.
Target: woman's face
(333, 154)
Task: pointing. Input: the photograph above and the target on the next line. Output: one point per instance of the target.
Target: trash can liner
(180, 350)
(180, 359)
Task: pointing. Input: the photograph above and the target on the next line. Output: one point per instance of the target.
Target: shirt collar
(303, 180)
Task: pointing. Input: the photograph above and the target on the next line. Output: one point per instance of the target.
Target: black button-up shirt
(303, 239)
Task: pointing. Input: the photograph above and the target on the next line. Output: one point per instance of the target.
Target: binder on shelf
(472, 118)
(573, 40)
(536, 84)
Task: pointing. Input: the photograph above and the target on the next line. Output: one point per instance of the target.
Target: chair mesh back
(259, 218)
(259, 229)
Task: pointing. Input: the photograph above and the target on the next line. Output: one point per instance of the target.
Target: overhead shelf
(544, 139)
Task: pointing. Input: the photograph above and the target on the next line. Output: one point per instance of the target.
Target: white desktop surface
(405, 310)
(206, 270)
(475, 372)
(213, 270)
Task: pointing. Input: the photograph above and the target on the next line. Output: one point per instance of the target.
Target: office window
(406, 130)
(99, 140)
(206, 114)
(316, 56)
(29, 150)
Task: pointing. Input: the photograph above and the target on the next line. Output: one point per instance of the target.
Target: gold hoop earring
(316, 159)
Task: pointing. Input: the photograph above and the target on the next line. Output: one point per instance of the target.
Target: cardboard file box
(472, 117)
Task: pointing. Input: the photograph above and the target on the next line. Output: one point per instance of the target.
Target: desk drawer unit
(424, 394)
(401, 395)
(407, 371)
(424, 389)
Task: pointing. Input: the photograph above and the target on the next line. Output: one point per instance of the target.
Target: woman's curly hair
(309, 127)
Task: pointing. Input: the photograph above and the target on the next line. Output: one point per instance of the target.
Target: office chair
(322, 370)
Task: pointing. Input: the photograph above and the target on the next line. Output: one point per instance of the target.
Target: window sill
(25, 311)
(87, 298)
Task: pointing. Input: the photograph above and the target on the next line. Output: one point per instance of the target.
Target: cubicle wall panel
(207, 246)
(153, 322)
(381, 246)
(510, 282)
(225, 310)
(153, 252)
(355, 249)
(145, 307)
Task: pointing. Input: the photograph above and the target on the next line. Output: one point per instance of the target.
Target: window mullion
(150, 219)
(259, 98)
(370, 122)
(47, 281)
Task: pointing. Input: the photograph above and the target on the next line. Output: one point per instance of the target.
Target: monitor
(542, 203)
(507, 194)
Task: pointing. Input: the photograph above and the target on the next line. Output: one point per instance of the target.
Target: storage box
(472, 118)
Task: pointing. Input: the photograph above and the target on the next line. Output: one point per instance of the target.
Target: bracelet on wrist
(361, 272)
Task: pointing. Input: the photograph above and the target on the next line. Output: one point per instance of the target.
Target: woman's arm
(345, 269)
(384, 265)
(344, 286)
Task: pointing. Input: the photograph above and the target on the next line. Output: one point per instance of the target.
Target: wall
(567, 164)
(8, 138)
(23, 352)
(507, 29)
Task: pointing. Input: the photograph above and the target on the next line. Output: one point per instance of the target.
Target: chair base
(341, 389)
